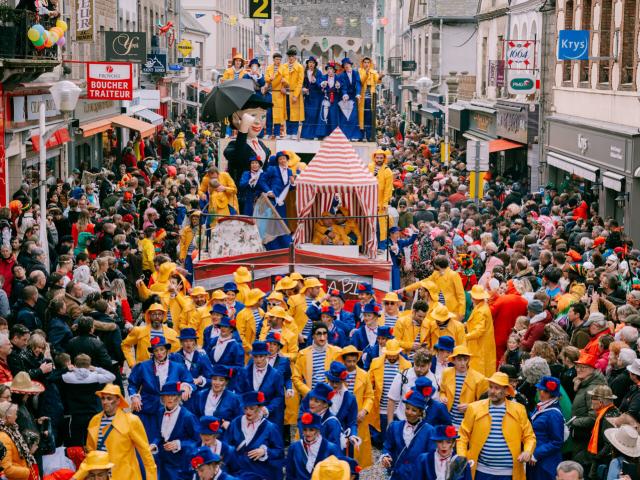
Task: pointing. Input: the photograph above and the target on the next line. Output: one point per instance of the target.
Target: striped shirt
(306, 331)
(456, 415)
(390, 371)
(495, 456)
(441, 298)
(318, 375)
(351, 380)
(258, 318)
(105, 422)
(157, 333)
(390, 321)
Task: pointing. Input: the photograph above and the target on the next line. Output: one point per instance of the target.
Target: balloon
(47, 40)
(57, 31)
(54, 37)
(40, 47)
(33, 34)
(62, 25)
(61, 42)
(39, 28)
(39, 42)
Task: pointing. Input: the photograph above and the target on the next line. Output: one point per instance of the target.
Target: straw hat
(479, 293)
(502, 379)
(97, 460)
(391, 297)
(242, 275)
(392, 348)
(624, 439)
(22, 383)
(111, 389)
(440, 313)
(460, 350)
(253, 297)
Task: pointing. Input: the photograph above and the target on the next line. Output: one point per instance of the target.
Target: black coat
(238, 153)
(92, 346)
(112, 340)
(631, 403)
(620, 384)
(59, 333)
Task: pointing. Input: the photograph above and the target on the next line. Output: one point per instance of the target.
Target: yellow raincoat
(431, 332)
(406, 332)
(139, 338)
(230, 195)
(274, 77)
(385, 190)
(126, 438)
(293, 79)
(450, 284)
(301, 374)
(231, 73)
(516, 428)
(376, 378)
(481, 341)
(475, 384)
(369, 79)
(160, 287)
(246, 326)
(363, 391)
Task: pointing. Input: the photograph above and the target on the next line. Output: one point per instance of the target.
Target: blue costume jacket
(436, 413)
(312, 103)
(231, 358)
(350, 126)
(357, 312)
(404, 457)
(359, 338)
(297, 458)
(548, 425)
(228, 408)
(272, 386)
(267, 435)
(329, 110)
(331, 426)
(247, 194)
(426, 468)
(208, 339)
(275, 184)
(177, 465)
(283, 365)
(200, 366)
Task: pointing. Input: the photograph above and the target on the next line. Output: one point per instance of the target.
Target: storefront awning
(60, 137)
(93, 128)
(433, 112)
(151, 117)
(501, 144)
(568, 164)
(145, 129)
(612, 181)
(203, 88)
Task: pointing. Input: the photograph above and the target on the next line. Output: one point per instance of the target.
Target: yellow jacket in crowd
(369, 79)
(293, 79)
(246, 327)
(406, 332)
(431, 332)
(148, 252)
(385, 191)
(516, 428)
(274, 77)
(139, 338)
(303, 369)
(475, 384)
(450, 284)
(376, 377)
(481, 340)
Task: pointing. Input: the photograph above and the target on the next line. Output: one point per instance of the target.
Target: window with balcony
(605, 61)
(586, 25)
(568, 25)
(628, 61)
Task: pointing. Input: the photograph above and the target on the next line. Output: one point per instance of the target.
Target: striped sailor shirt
(456, 415)
(495, 456)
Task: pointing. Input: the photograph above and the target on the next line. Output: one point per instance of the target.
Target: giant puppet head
(252, 118)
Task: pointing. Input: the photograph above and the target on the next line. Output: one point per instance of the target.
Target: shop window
(604, 65)
(568, 25)
(586, 25)
(627, 60)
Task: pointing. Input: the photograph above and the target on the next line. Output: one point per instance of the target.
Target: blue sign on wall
(573, 45)
(156, 63)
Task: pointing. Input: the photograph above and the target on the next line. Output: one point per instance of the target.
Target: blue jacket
(232, 357)
(228, 408)
(426, 468)
(436, 413)
(357, 312)
(548, 425)
(272, 386)
(274, 181)
(249, 194)
(200, 366)
(226, 453)
(347, 320)
(351, 88)
(331, 426)
(297, 458)
(283, 365)
(368, 354)
(404, 458)
(395, 257)
(208, 340)
(348, 414)
(177, 465)
(267, 435)
(359, 338)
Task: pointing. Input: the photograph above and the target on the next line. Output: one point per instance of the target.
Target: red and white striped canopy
(337, 170)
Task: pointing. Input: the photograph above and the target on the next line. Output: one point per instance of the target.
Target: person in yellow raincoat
(358, 383)
(409, 330)
(440, 322)
(124, 438)
(449, 286)
(278, 320)
(222, 193)
(304, 376)
(192, 239)
(516, 432)
(349, 227)
(379, 169)
(196, 313)
(242, 278)
(236, 70)
(428, 292)
(370, 79)
(250, 319)
(326, 232)
(139, 338)
(277, 115)
(292, 78)
(179, 143)
(480, 338)
(332, 468)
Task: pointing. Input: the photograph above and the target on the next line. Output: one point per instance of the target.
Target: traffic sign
(477, 160)
(409, 66)
(185, 48)
(260, 9)
(573, 44)
(189, 61)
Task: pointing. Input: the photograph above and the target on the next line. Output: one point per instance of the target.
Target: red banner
(109, 81)
(4, 174)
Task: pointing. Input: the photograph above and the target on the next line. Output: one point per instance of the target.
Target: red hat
(599, 241)
(587, 359)
(128, 196)
(127, 217)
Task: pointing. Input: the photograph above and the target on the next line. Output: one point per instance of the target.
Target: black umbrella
(226, 98)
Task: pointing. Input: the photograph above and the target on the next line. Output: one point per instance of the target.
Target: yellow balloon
(33, 34)
(57, 30)
(62, 25)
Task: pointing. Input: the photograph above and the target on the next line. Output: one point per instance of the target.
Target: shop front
(458, 123)
(431, 114)
(602, 159)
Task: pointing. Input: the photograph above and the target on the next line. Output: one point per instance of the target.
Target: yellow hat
(311, 282)
(460, 350)
(379, 152)
(242, 275)
(286, 284)
(502, 379)
(276, 296)
(392, 347)
(479, 293)
(431, 287)
(331, 468)
(155, 307)
(440, 313)
(195, 291)
(111, 389)
(391, 297)
(277, 312)
(349, 349)
(238, 56)
(96, 460)
(218, 295)
(296, 276)
(253, 297)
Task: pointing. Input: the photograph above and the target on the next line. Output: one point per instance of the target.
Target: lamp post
(65, 97)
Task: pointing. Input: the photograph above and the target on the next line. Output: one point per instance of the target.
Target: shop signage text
(84, 20)
(512, 124)
(409, 66)
(156, 63)
(481, 122)
(521, 83)
(27, 108)
(496, 73)
(126, 47)
(260, 9)
(520, 54)
(109, 81)
(573, 45)
(185, 48)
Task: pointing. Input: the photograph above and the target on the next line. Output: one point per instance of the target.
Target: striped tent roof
(336, 163)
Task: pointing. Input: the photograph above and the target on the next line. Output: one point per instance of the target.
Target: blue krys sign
(573, 45)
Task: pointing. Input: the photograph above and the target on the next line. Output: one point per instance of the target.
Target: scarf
(254, 177)
(14, 434)
(595, 433)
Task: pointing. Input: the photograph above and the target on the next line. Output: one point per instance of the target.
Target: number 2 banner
(260, 9)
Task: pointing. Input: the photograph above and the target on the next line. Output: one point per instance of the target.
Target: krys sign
(126, 47)
(573, 45)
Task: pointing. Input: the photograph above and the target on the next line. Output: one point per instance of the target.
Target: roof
(336, 163)
(189, 22)
(449, 9)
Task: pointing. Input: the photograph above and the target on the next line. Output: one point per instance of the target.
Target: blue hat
(310, 420)
(77, 193)
(230, 286)
(171, 388)
(219, 308)
(365, 287)
(281, 154)
(328, 310)
(311, 59)
(204, 456)
(394, 230)
(372, 308)
(188, 334)
(346, 60)
(259, 348)
(250, 399)
(385, 332)
(549, 384)
(334, 292)
(227, 322)
(322, 391)
(445, 342)
(416, 399)
(220, 370)
(424, 386)
(159, 342)
(337, 372)
(444, 432)
(209, 425)
(254, 61)
(274, 337)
